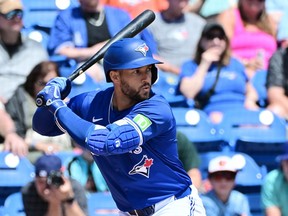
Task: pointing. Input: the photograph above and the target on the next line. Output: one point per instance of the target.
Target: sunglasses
(13, 14)
(212, 36)
(217, 176)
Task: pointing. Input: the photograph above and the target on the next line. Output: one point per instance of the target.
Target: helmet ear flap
(154, 74)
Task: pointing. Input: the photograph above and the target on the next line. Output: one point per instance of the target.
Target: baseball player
(129, 130)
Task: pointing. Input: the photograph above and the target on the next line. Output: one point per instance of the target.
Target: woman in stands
(214, 79)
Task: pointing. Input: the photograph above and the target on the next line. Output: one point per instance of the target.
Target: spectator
(83, 169)
(222, 199)
(274, 194)
(174, 34)
(79, 32)
(252, 33)
(10, 140)
(209, 9)
(134, 8)
(18, 54)
(219, 81)
(21, 108)
(51, 193)
(277, 86)
(277, 9)
(189, 157)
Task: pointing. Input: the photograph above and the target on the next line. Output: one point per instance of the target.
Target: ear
(114, 76)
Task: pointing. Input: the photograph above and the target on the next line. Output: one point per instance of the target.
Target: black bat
(130, 30)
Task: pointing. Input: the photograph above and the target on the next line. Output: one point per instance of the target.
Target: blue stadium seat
(166, 86)
(13, 205)
(15, 173)
(43, 13)
(261, 134)
(101, 203)
(198, 128)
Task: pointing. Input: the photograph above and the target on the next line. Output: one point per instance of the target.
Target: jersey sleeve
(153, 117)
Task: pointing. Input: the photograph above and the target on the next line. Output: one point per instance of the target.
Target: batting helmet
(129, 53)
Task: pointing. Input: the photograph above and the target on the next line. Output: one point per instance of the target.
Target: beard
(136, 95)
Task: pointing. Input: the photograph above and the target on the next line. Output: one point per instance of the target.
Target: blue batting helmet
(129, 53)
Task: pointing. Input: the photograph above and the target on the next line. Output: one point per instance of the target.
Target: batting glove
(64, 85)
(53, 93)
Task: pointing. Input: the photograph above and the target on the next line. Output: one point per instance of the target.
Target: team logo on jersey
(142, 121)
(143, 49)
(143, 167)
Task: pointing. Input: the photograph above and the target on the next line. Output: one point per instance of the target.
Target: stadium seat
(13, 205)
(101, 203)
(15, 173)
(43, 13)
(198, 128)
(261, 134)
(166, 86)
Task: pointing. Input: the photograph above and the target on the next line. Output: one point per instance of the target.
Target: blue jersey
(148, 174)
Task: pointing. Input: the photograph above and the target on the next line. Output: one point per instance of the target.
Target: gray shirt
(177, 41)
(14, 70)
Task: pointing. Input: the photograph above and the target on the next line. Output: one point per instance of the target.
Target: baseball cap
(284, 156)
(222, 163)
(10, 5)
(47, 163)
(213, 26)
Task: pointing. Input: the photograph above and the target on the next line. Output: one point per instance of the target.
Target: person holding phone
(51, 193)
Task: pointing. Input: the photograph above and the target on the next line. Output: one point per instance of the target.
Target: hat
(47, 163)
(222, 163)
(9, 5)
(213, 26)
(283, 156)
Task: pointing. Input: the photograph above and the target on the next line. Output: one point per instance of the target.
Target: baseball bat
(130, 30)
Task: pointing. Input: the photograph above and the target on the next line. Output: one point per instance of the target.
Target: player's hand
(63, 84)
(51, 95)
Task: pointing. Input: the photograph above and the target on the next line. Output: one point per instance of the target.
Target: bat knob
(39, 101)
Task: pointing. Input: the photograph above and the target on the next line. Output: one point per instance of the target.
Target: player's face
(136, 83)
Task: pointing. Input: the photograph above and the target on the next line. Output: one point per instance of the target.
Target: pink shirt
(246, 44)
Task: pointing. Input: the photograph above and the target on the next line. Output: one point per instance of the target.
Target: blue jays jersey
(150, 173)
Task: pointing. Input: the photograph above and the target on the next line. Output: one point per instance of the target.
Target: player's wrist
(56, 105)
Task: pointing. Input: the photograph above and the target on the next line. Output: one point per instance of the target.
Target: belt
(150, 210)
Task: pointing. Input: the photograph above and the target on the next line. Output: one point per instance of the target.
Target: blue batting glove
(51, 96)
(64, 85)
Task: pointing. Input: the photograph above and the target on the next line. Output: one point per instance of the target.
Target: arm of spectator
(227, 20)
(251, 97)
(197, 79)
(194, 7)
(12, 141)
(166, 66)
(272, 211)
(278, 101)
(80, 54)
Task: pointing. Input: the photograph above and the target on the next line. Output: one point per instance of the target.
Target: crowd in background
(214, 48)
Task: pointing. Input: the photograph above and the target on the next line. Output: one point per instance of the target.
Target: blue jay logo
(143, 49)
(143, 167)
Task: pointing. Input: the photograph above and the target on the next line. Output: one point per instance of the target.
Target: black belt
(148, 211)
